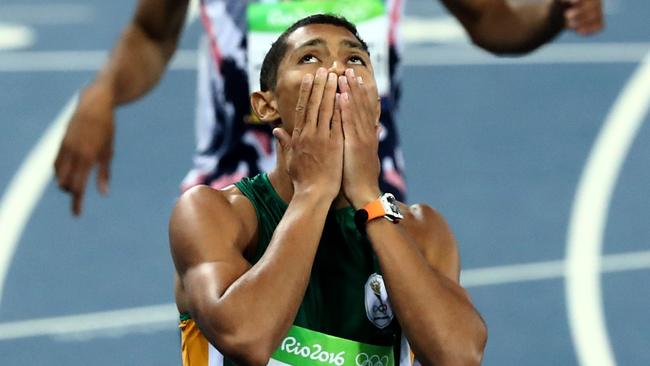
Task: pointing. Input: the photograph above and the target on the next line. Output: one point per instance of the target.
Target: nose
(338, 68)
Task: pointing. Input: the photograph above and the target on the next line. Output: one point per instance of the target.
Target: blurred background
(539, 163)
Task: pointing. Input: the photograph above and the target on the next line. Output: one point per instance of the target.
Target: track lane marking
(414, 55)
(589, 216)
(164, 317)
(26, 188)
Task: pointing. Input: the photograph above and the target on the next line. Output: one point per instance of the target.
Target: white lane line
(440, 29)
(140, 319)
(192, 13)
(589, 216)
(414, 55)
(15, 36)
(49, 61)
(26, 188)
(501, 275)
(165, 317)
(557, 53)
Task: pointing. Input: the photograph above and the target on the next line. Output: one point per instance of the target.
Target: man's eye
(356, 60)
(308, 59)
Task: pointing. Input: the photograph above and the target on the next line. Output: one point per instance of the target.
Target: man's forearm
(509, 27)
(262, 304)
(440, 323)
(142, 52)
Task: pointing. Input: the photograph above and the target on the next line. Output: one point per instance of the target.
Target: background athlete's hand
(88, 141)
(313, 154)
(360, 116)
(583, 16)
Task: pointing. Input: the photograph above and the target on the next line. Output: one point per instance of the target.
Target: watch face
(392, 203)
(391, 207)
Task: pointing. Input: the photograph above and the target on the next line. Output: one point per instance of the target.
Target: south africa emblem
(378, 307)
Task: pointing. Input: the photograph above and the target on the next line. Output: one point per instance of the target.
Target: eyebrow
(311, 43)
(352, 44)
(321, 42)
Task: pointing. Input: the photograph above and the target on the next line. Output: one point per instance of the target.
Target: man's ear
(265, 106)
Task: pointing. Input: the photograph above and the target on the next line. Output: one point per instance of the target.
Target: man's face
(314, 46)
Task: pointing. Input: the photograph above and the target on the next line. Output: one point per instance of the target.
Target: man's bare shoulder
(209, 200)
(206, 220)
(433, 236)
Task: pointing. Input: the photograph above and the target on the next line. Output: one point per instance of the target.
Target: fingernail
(321, 71)
(331, 77)
(343, 79)
(306, 78)
(360, 80)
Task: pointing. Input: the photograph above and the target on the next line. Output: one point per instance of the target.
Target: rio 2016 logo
(314, 352)
(363, 359)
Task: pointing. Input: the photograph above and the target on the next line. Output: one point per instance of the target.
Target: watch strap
(375, 209)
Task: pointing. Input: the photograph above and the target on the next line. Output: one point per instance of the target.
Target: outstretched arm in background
(517, 27)
(133, 68)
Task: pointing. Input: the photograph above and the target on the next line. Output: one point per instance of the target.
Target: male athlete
(227, 147)
(312, 264)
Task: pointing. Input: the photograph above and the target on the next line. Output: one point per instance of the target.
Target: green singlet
(333, 325)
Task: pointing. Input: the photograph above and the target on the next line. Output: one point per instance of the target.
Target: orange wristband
(374, 209)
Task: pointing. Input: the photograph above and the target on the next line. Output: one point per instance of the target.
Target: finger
(337, 130)
(575, 18)
(356, 99)
(327, 105)
(590, 29)
(103, 176)
(584, 21)
(582, 13)
(104, 167)
(283, 138)
(303, 98)
(77, 202)
(62, 167)
(78, 188)
(313, 106)
(368, 104)
(365, 115)
(353, 83)
(347, 117)
(343, 84)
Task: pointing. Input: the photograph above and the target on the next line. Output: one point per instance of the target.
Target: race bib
(267, 21)
(306, 347)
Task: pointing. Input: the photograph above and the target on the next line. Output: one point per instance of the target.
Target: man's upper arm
(161, 21)
(207, 239)
(468, 12)
(436, 241)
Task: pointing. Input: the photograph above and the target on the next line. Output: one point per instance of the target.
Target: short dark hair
(269, 72)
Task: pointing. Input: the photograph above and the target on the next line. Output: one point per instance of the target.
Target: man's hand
(313, 154)
(88, 141)
(360, 127)
(584, 16)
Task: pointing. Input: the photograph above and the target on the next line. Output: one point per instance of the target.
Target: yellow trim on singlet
(194, 346)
